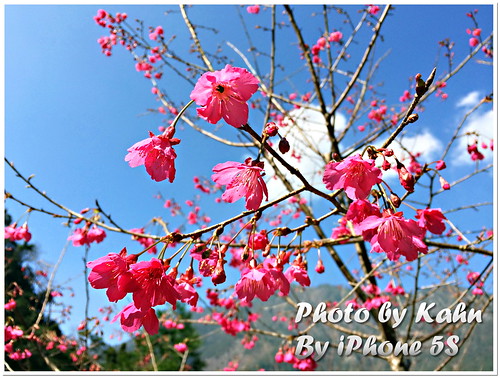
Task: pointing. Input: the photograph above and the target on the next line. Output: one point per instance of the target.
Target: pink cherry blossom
(258, 241)
(298, 272)
(253, 9)
(157, 154)
(473, 42)
(394, 235)
(10, 305)
(156, 287)
(23, 233)
(132, 318)
(79, 237)
(359, 210)
(223, 94)
(242, 180)
(261, 283)
(335, 36)
(111, 272)
(96, 234)
(354, 174)
(181, 347)
(431, 220)
(373, 9)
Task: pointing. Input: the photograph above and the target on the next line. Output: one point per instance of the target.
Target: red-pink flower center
(393, 229)
(221, 90)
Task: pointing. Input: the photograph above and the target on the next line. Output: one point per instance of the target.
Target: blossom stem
(152, 245)
(176, 119)
(188, 244)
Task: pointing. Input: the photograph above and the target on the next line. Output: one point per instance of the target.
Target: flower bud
(395, 200)
(440, 164)
(444, 184)
(284, 146)
(219, 275)
(413, 118)
(405, 177)
(320, 268)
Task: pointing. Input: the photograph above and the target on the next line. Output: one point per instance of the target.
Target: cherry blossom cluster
(87, 234)
(287, 355)
(15, 233)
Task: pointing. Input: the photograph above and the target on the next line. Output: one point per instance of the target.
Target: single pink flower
(223, 94)
(261, 283)
(297, 272)
(242, 180)
(111, 272)
(359, 210)
(258, 241)
(187, 293)
(10, 305)
(473, 42)
(79, 237)
(394, 235)
(181, 347)
(431, 220)
(354, 174)
(156, 287)
(253, 9)
(96, 234)
(10, 232)
(473, 277)
(373, 9)
(132, 318)
(157, 154)
(335, 36)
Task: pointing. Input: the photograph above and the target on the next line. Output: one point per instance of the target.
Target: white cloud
(308, 139)
(469, 100)
(482, 124)
(426, 144)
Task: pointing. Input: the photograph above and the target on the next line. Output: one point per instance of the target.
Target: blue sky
(71, 112)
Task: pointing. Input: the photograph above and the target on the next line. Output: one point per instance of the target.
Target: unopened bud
(284, 146)
(413, 118)
(440, 164)
(420, 89)
(396, 201)
(320, 268)
(245, 254)
(405, 178)
(444, 184)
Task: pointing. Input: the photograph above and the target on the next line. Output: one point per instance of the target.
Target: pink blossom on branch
(261, 283)
(223, 94)
(242, 180)
(156, 287)
(354, 174)
(111, 272)
(132, 318)
(394, 235)
(431, 220)
(157, 154)
(253, 9)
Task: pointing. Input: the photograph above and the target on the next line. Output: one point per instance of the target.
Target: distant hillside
(218, 348)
